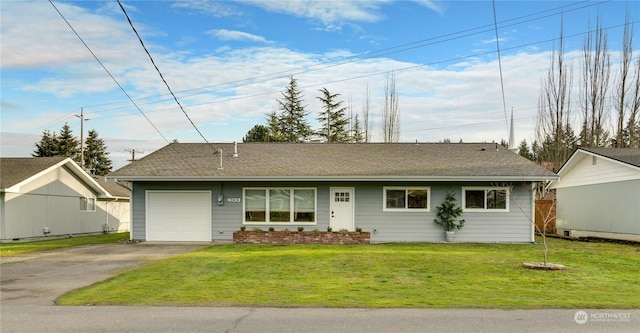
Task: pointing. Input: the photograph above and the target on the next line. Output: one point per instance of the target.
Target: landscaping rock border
(300, 237)
(543, 266)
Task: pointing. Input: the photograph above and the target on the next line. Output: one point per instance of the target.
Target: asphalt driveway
(38, 278)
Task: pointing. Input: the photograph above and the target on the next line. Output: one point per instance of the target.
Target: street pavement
(40, 319)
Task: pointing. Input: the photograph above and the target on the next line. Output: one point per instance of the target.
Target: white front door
(342, 212)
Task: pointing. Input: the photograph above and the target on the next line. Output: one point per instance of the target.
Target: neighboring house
(203, 192)
(598, 194)
(48, 196)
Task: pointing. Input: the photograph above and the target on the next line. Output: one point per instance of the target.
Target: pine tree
(292, 123)
(96, 156)
(356, 133)
(47, 146)
(523, 150)
(332, 118)
(273, 126)
(259, 133)
(67, 144)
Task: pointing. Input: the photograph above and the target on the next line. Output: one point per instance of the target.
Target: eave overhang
(336, 178)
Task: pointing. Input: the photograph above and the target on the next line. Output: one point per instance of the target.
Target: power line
(106, 70)
(504, 103)
(378, 53)
(162, 77)
(370, 54)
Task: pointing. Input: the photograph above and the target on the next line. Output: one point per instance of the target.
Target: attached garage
(178, 216)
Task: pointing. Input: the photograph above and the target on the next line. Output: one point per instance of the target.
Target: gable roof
(16, 171)
(116, 189)
(629, 156)
(333, 161)
(628, 160)
(625, 156)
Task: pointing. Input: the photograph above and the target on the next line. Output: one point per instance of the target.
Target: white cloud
(431, 5)
(213, 8)
(330, 13)
(224, 34)
(229, 91)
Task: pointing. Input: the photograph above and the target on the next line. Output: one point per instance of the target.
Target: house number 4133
(233, 200)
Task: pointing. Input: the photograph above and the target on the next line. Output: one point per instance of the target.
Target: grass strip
(381, 276)
(9, 249)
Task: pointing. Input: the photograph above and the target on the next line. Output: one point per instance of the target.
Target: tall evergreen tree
(68, 145)
(357, 134)
(523, 150)
(96, 158)
(332, 118)
(292, 123)
(273, 125)
(259, 133)
(47, 146)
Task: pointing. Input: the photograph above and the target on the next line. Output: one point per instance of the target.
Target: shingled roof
(629, 156)
(14, 170)
(315, 161)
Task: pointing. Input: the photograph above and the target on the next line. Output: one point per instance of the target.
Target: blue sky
(228, 61)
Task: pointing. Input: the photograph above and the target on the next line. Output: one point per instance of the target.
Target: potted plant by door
(448, 213)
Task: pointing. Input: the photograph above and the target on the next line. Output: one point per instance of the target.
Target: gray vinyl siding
(405, 226)
(611, 207)
(512, 226)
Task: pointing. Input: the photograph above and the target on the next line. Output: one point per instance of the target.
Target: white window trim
(87, 204)
(291, 205)
(406, 201)
(484, 189)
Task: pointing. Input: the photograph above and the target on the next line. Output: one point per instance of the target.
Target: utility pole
(133, 154)
(82, 120)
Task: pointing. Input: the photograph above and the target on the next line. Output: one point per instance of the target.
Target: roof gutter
(339, 178)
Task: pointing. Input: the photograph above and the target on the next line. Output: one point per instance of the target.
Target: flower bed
(300, 237)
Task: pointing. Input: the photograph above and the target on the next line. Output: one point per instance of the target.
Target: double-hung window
(406, 198)
(279, 205)
(87, 204)
(485, 199)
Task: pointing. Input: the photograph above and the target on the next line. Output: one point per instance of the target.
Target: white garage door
(183, 216)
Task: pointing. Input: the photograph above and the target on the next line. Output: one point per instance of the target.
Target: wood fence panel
(546, 209)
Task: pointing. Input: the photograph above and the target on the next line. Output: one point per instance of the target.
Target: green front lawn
(13, 248)
(379, 276)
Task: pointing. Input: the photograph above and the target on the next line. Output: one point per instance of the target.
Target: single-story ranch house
(205, 192)
(598, 194)
(50, 196)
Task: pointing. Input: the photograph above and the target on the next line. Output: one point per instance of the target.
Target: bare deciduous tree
(390, 113)
(365, 115)
(634, 123)
(623, 87)
(595, 83)
(553, 126)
